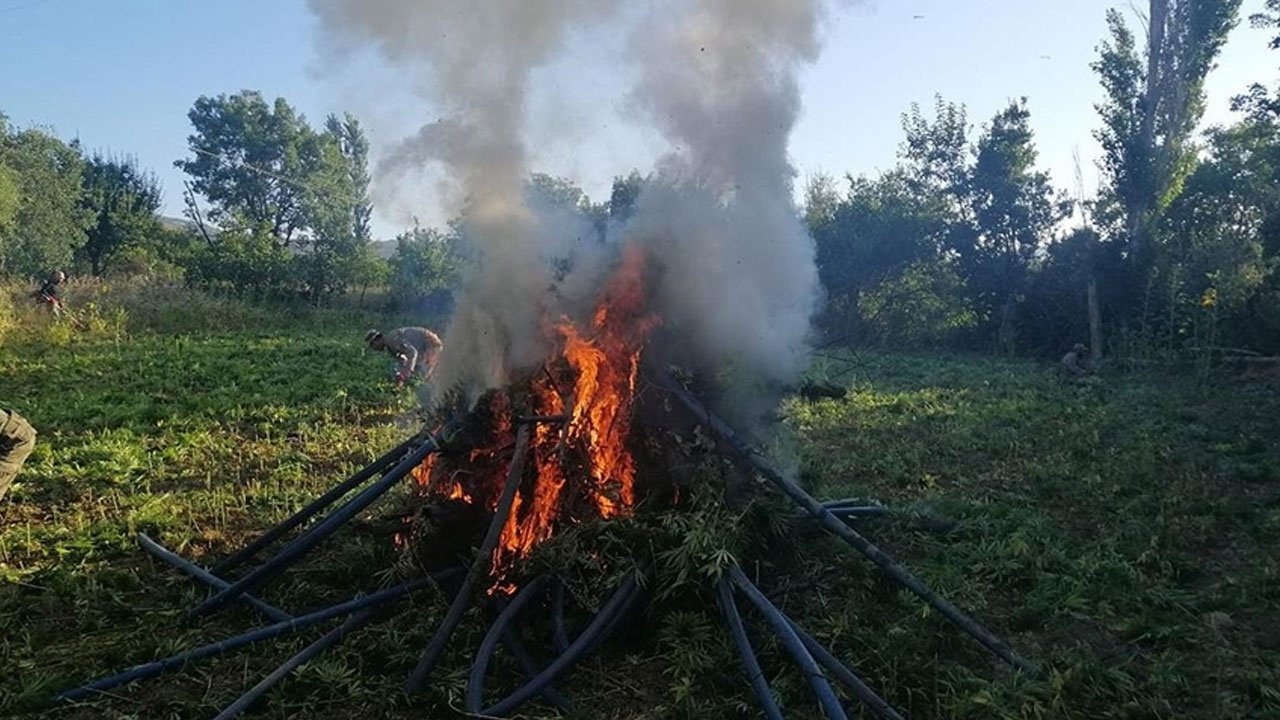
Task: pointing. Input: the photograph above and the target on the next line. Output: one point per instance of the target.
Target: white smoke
(474, 61)
(718, 78)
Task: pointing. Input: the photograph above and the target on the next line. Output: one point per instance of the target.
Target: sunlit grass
(1120, 535)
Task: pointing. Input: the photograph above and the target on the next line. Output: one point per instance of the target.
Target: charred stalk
(782, 627)
(603, 623)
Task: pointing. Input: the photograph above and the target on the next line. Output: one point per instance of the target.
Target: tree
(354, 148)
(252, 161)
(122, 200)
(336, 209)
(48, 223)
(1258, 102)
(1152, 108)
(1269, 19)
(10, 199)
(1014, 210)
(425, 269)
(267, 173)
(623, 195)
(879, 228)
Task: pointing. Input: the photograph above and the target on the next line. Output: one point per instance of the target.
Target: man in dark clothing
(417, 348)
(50, 293)
(1074, 364)
(17, 438)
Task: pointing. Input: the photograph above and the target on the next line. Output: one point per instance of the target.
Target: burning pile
(582, 460)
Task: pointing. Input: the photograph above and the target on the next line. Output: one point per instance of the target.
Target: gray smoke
(473, 62)
(718, 78)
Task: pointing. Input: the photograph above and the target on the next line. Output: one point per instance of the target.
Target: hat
(371, 336)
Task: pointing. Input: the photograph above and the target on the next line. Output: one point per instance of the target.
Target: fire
(589, 386)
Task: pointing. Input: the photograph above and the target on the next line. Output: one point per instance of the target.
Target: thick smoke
(719, 79)
(737, 282)
(475, 61)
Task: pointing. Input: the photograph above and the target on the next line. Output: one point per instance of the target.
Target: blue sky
(121, 75)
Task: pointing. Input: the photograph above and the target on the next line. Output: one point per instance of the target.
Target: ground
(1119, 534)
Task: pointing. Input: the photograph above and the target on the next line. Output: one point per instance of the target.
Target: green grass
(1120, 535)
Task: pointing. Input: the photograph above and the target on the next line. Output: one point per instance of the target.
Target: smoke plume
(473, 62)
(737, 282)
(719, 79)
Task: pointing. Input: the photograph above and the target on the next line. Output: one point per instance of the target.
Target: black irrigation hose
(604, 620)
(782, 626)
(842, 673)
(314, 507)
(837, 527)
(155, 668)
(161, 552)
(739, 634)
(843, 502)
(530, 669)
(305, 542)
(479, 668)
(326, 641)
(435, 649)
(848, 511)
(559, 633)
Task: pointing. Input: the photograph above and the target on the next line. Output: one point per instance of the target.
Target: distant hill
(174, 223)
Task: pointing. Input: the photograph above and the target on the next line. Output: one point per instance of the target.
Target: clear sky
(121, 75)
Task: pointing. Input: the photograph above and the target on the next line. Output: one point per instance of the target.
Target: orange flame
(596, 369)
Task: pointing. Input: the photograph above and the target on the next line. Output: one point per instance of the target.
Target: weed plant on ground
(1118, 534)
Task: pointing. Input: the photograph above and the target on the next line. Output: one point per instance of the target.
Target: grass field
(1121, 535)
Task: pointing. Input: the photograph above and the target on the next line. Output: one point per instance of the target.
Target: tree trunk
(1095, 323)
(1137, 212)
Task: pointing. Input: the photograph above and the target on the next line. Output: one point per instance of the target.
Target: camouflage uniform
(417, 348)
(17, 438)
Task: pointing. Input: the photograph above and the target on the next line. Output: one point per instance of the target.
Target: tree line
(965, 243)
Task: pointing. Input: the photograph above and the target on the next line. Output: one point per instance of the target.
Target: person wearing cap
(417, 348)
(50, 293)
(1074, 364)
(17, 439)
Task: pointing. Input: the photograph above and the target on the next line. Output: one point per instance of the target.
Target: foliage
(252, 161)
(425, 269)
(623, 194)
(49, 223)
(924, 306)
(1014, 211)
(1151, 112)
(873, 233)
(951, 234)
(10, 199)
(244, 261)
(280, 191)
(122, 200)
(1120, 536)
